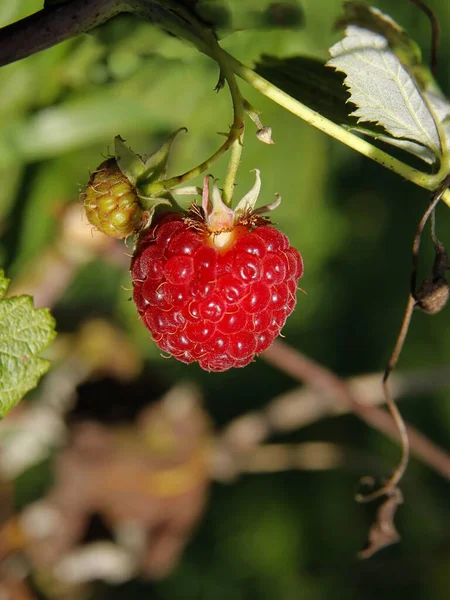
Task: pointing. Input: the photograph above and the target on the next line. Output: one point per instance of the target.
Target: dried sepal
(432, 296)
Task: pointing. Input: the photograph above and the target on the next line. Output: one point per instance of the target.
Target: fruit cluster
(218, 299)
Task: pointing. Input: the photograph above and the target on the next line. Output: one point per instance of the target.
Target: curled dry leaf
(432, 296)
(383, 531)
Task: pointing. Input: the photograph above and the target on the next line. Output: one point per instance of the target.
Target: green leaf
(24, 333)
(311, 82)
(383, 89)
(441, 108)
(409, 55)
(406, 49)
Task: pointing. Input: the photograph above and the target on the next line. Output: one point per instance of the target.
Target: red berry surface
(215, 299)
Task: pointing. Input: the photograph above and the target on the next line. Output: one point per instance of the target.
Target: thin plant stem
(389, 487)
(234, 139)
(233, 165)
(52, 25)
(434, 238)
(438, 196)
(160, 187)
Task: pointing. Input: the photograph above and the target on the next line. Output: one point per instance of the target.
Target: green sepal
(131, 164)
(155, 166)
(150, 204)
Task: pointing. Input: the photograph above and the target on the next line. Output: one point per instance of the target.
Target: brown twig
(391, 484)
(319, 378)
(303, 406)
(418, 237)
(395, 413)
(309, 456)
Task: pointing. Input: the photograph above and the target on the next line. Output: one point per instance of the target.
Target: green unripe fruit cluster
(111, 202)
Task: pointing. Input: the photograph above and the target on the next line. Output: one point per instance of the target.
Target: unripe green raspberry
(111, 202)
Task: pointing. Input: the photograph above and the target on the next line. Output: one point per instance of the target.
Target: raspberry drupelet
(216, 295)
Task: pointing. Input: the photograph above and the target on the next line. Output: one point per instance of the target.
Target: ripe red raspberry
(215, 298)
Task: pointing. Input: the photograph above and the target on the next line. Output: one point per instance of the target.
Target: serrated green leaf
(308, 80)
(25, 332)
(410, 56)
(384, 91)
(406, 49)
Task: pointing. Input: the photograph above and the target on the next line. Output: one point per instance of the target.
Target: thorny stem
(389, 487)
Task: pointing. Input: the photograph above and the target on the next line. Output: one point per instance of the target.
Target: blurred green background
(284, 536)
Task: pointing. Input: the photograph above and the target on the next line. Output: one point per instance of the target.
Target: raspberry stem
(210, 46)
(233, 165)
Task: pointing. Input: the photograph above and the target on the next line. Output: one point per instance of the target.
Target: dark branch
(53, 25)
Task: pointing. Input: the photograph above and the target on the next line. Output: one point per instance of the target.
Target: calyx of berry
(116, 198)
(221, 221)
(141, 171)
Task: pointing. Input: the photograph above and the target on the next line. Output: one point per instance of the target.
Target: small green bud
(111, 202)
